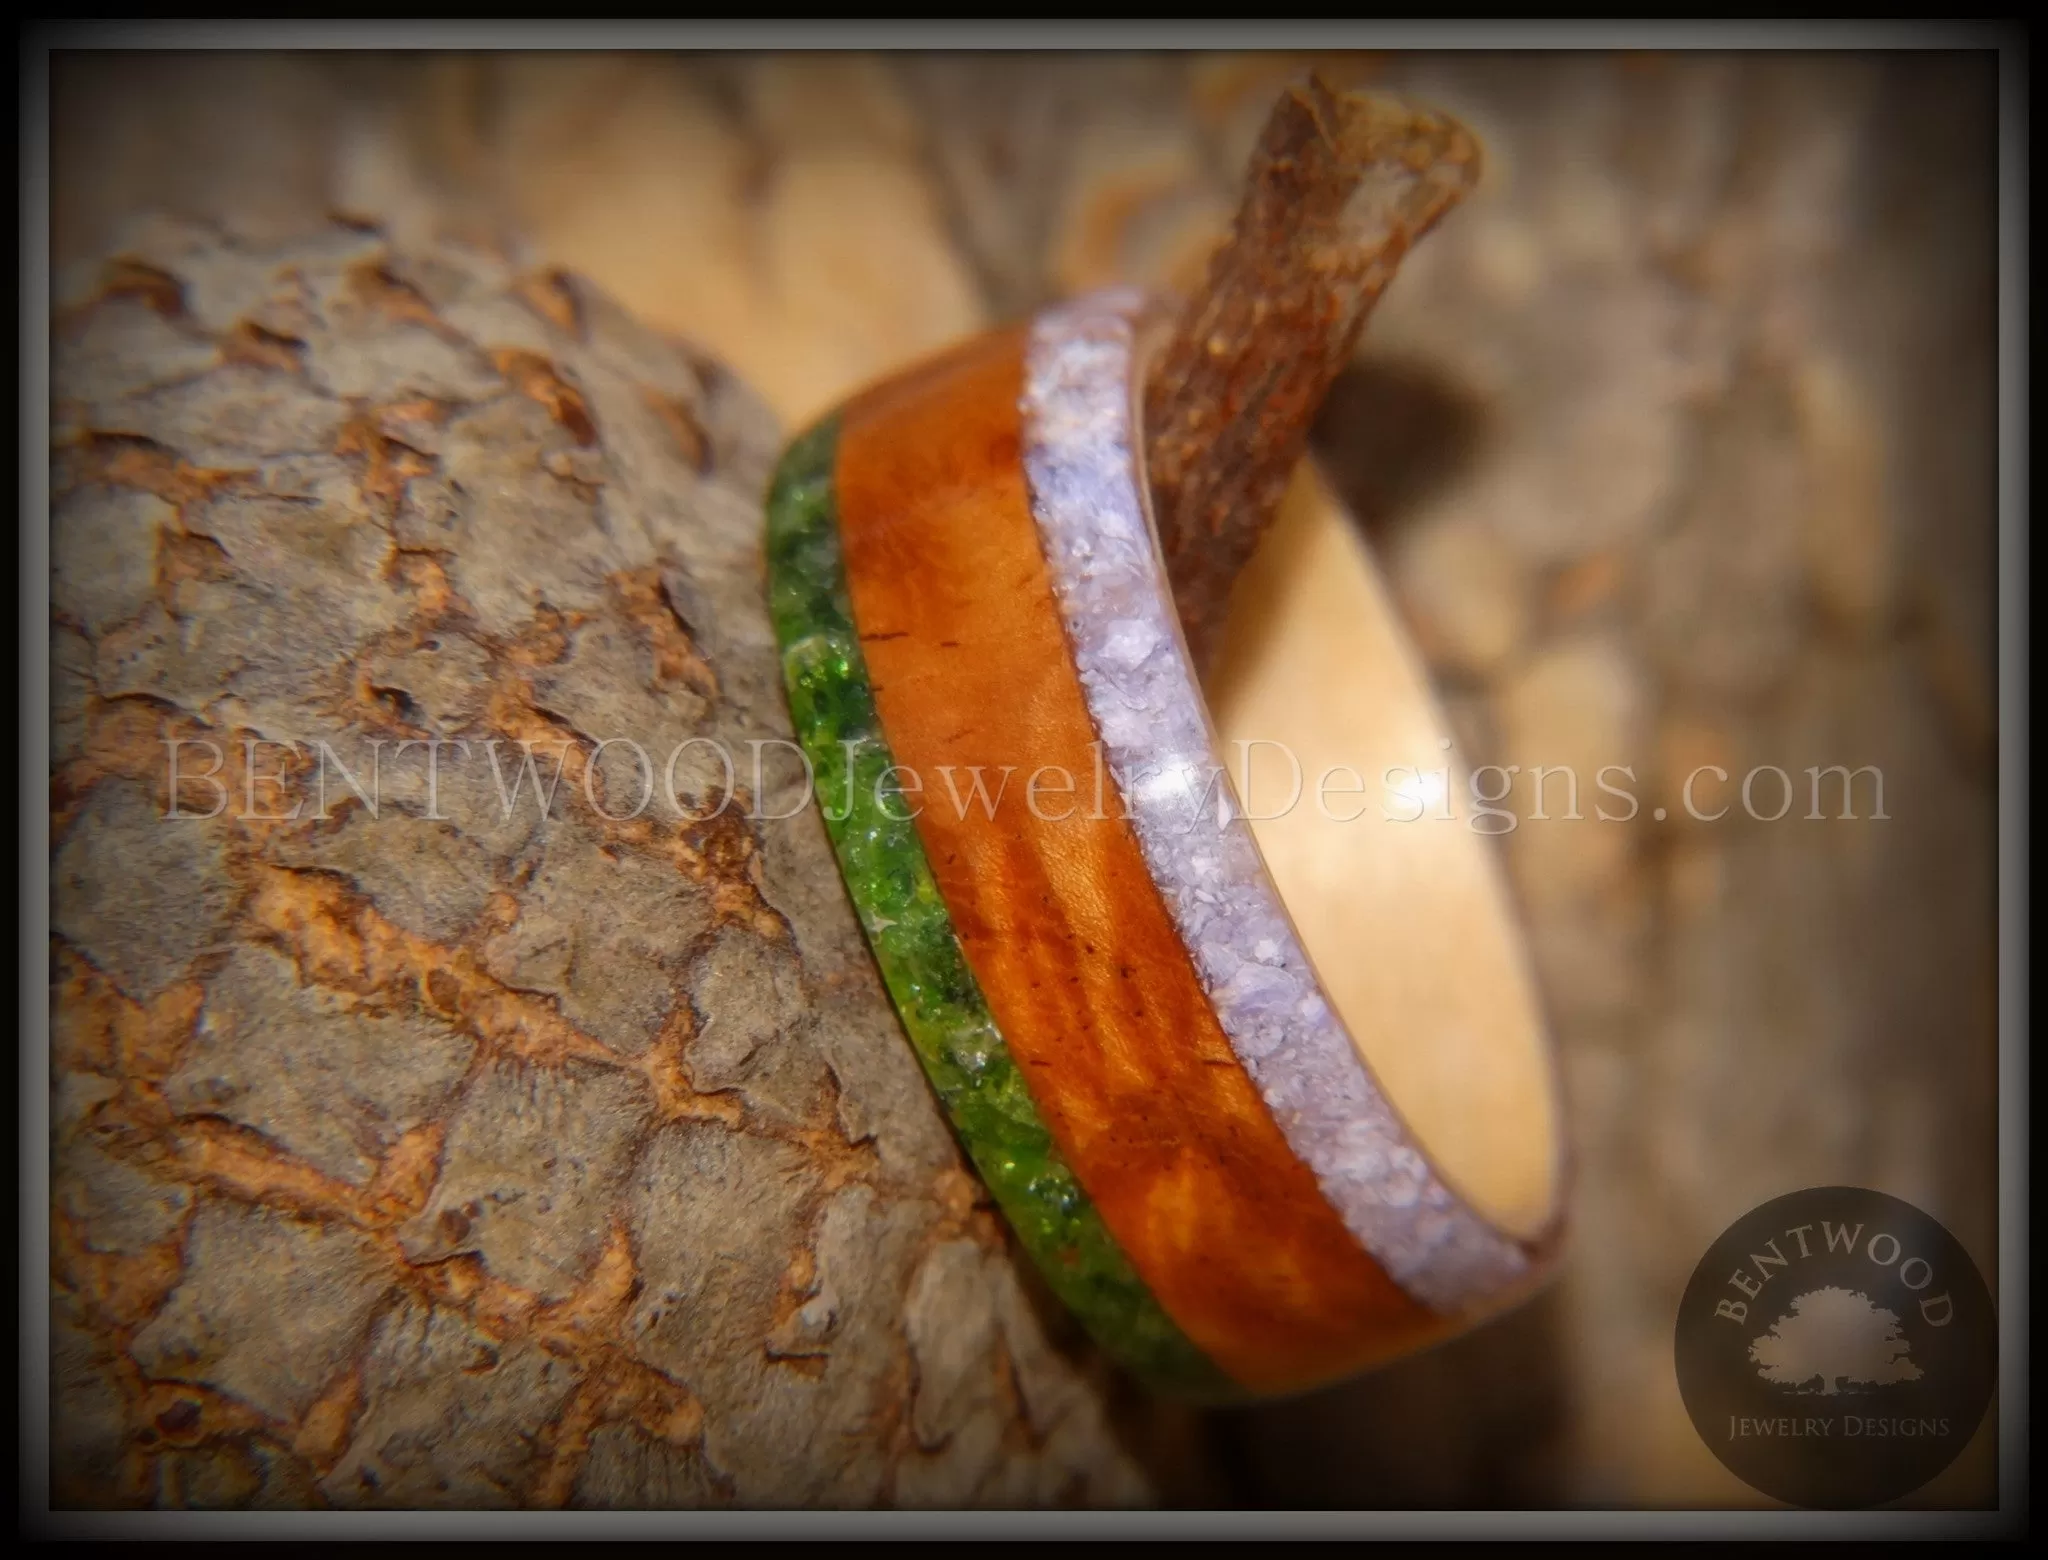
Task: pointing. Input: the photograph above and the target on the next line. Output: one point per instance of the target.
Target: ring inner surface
(1395, 895)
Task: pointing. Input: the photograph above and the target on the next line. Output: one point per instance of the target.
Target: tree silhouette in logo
(1839, 1336)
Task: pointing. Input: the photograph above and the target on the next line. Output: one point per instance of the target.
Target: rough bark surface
(1341, 185)
(443, 1153)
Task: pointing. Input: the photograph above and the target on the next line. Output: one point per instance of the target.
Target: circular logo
(1836, 1347)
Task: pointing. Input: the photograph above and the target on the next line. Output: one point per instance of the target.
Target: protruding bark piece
(1342, 183)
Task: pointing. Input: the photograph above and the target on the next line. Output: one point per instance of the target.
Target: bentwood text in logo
(1836, 1347)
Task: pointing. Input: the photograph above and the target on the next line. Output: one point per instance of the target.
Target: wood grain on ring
(1062, 925)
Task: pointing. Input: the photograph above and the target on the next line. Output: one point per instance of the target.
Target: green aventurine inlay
(911, 933)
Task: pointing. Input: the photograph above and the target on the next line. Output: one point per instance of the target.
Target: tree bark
(420, 1151)
(1341, 186)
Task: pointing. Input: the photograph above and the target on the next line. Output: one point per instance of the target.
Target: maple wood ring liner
(1110, 998)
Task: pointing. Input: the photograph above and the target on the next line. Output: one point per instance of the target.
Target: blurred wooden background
(1677, 442)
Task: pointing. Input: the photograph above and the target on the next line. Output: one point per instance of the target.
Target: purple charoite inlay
(1147, 705)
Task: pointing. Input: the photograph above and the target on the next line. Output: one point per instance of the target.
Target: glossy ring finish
(1086, 949)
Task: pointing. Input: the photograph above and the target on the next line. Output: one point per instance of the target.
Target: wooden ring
(1252, 1158)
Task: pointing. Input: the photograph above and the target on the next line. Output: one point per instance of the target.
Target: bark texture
(1342, 183)
(443, 1153)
